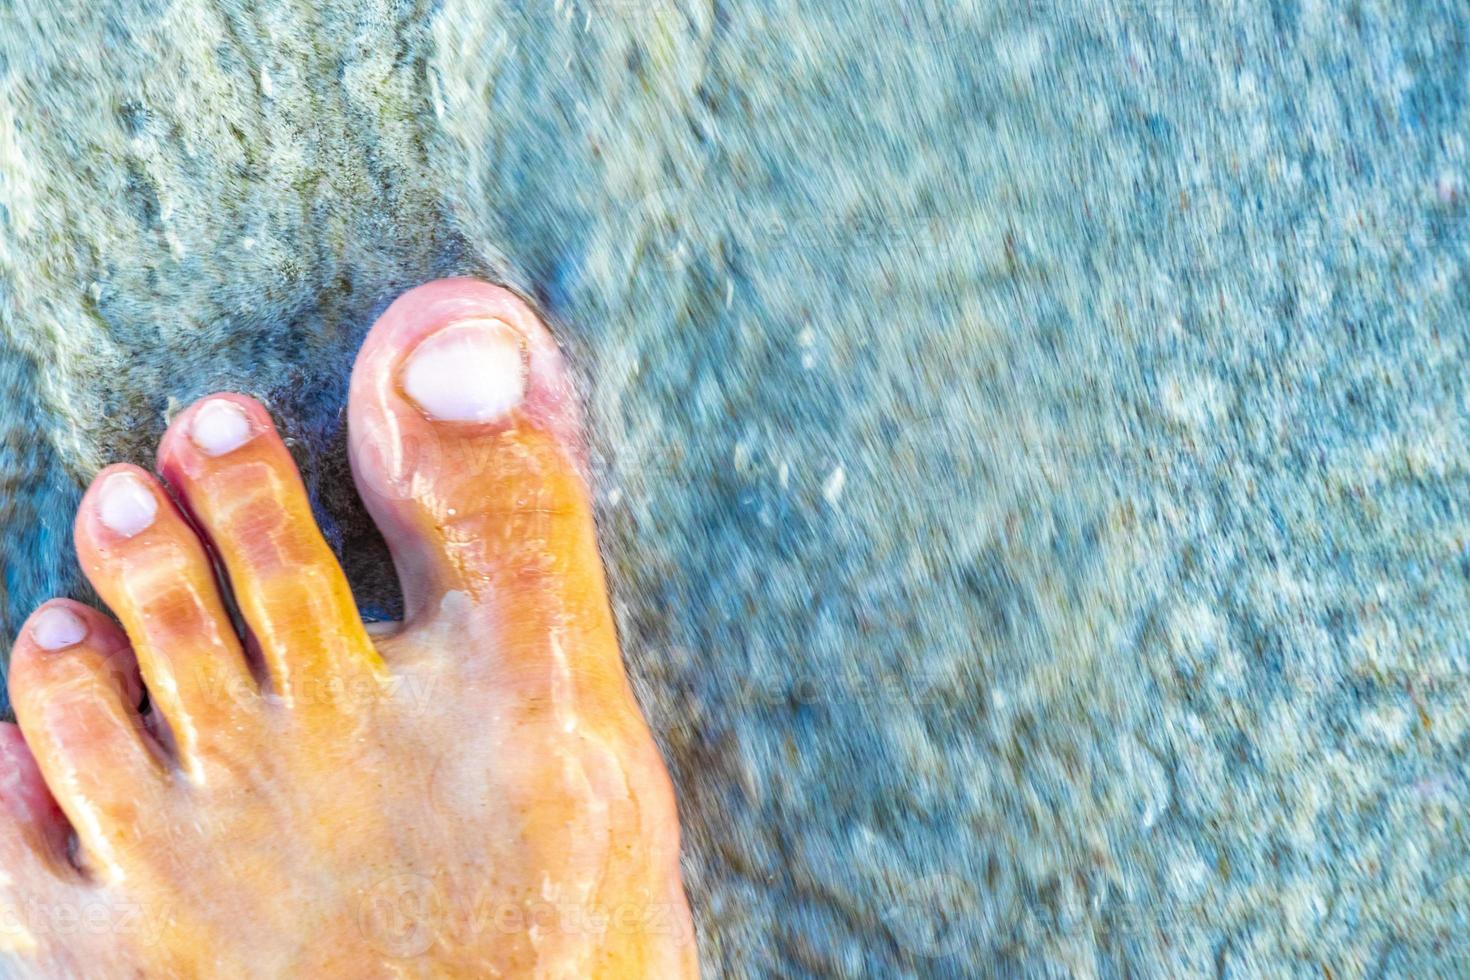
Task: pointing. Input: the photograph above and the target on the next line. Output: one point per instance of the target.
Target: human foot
(474, 793)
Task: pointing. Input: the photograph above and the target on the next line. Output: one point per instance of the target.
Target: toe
(236, 478)
(33, 830)
(465, 446)
(151, 569)
(75, 687)
(33, 843)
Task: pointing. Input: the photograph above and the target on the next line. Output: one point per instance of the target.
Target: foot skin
(472, 793)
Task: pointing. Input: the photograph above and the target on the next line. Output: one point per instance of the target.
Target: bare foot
(472, 794)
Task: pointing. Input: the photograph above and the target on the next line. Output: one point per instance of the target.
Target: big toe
(466, 449)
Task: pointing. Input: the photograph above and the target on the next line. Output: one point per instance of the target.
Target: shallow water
(1031, 438)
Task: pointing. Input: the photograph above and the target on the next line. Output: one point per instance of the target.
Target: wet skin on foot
(473, 792)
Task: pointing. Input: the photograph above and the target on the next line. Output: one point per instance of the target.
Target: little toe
(75, 688)
(33, 830)
(151, 569)
(237, 479)
(466, 449)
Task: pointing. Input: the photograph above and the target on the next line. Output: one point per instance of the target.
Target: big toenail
(220, 427)
(57, 628)
(473, 371)
(126, 505)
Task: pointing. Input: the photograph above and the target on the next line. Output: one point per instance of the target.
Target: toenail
(126, 505)
(472, 371)
(57, 628)
(220, 427)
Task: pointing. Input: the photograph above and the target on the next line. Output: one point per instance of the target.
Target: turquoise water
(1030, 437)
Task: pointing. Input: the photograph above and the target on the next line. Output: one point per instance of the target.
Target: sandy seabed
(1031, 438)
